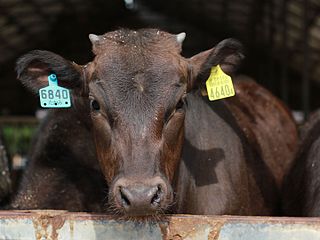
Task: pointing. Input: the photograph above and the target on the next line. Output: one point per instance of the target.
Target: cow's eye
(180, 104)
(95, 106)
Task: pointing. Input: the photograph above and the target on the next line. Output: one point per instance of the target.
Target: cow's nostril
(156, 199)
(124, 199)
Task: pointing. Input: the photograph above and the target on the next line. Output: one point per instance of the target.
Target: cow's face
(136, 88)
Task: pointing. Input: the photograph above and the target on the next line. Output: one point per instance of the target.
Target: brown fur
(267, 123)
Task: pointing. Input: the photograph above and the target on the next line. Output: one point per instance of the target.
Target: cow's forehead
(145, 53)
(140, 69)
(152, 81)
(134, 64)
(137, 49)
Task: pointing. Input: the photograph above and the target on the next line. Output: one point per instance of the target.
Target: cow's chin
(142, 218)
(120, 213)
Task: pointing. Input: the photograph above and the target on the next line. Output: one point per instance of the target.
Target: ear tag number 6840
(54, 96)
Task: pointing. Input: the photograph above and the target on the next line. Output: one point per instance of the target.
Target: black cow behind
(301, 195)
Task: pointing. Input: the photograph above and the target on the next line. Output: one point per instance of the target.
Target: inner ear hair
(228, 54)
(34, 67)
(37, 68)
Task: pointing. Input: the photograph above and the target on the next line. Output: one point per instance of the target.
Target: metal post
(224, 12)
(270, 44)
(254, 21)
(306, 61)
(284, 59)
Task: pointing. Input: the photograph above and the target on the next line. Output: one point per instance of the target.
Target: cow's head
(135, 89)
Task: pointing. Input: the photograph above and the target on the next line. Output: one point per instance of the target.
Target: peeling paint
(267, 231)
(47, 224)
(61, 225)
(71, 227)
(215, 232)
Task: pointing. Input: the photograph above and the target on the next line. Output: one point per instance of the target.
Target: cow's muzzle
(138, 198)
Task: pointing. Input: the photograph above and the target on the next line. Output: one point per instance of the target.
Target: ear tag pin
(54, 96)
(219, 85)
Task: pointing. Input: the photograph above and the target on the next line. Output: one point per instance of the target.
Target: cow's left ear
(227, 53)
(34, 68)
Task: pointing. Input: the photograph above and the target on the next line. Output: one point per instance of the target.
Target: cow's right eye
(94, 105)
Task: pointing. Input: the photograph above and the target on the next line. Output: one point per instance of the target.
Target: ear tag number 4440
(54, 96)
(219, 85)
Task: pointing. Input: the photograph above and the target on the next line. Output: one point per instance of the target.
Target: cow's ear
(34, 68)
(227, 53)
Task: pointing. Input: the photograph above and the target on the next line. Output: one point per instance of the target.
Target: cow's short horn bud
(181, 37)
(94, 38)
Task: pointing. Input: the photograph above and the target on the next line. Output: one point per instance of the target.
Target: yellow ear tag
(219, 85)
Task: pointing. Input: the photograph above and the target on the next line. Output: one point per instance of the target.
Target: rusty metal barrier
(62, 225)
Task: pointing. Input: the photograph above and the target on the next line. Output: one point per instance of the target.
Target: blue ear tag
(54, 96)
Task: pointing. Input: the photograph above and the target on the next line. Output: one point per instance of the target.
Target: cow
(300, 192)
(140, 138)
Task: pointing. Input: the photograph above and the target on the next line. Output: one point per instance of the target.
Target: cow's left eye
(94, 105)
(178, 108)
(180, 104)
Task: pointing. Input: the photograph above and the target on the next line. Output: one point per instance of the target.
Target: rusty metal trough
(58, 225)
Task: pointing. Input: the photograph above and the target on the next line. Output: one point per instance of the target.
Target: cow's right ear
(34, 68)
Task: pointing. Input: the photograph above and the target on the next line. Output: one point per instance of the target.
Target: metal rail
(58, 225)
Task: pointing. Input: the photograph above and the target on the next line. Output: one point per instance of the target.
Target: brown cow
(140, 128)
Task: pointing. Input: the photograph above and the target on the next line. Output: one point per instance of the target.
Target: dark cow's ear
(34, 68)
(227, 53)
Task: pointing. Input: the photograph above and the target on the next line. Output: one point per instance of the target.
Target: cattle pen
(59, 225)
(281, 41)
